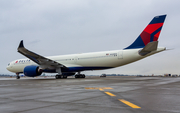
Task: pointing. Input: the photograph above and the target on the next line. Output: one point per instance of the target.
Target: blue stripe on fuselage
(77, 69)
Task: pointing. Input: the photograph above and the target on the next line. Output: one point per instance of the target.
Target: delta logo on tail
(150, 33)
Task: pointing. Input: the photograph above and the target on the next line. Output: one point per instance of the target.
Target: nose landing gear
(17, 76)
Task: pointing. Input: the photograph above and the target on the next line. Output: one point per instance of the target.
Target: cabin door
(120, 54)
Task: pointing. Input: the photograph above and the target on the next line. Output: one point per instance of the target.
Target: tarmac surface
(90, 95)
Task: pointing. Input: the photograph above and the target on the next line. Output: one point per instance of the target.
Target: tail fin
(150, 33)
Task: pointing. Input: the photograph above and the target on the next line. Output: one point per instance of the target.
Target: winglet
(21, 45)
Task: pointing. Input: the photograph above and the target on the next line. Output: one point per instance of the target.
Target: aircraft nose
(8, 67)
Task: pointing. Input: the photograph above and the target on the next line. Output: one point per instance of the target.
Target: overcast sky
(59, 27)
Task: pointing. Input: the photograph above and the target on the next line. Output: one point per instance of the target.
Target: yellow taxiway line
(110, 94)
(99, 88)
(129, 103)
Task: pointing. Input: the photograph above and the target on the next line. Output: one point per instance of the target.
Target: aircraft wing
(42, 61)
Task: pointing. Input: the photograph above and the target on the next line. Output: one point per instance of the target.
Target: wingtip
(167, 49)
(21, 44)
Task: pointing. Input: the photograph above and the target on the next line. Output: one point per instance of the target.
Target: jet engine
(32, 71)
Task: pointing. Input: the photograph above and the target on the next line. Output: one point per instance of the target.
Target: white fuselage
(95, 60)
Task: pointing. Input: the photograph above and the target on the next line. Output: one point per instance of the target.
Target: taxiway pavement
(90, 95)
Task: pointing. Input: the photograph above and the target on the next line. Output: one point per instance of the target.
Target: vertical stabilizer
(150, 33)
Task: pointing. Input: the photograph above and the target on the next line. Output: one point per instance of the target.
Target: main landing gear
(80, 75)
(61, 76)
(17, 76)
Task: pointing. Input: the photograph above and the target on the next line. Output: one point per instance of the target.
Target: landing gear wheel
(83, 76)
(76, 76)
(61, 76)
(58, 76)
(17, 77)
(80, 76)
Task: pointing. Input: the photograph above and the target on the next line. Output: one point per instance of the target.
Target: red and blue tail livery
(150, 33)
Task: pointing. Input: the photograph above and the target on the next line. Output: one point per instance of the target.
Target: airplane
(145, 45)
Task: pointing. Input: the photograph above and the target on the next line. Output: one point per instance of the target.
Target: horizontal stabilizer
(151, 46)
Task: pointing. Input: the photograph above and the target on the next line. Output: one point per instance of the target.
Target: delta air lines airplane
(68, 65)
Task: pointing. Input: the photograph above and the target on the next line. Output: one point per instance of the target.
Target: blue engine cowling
(32, 71)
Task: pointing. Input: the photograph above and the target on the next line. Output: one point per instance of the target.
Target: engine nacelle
(32, 71)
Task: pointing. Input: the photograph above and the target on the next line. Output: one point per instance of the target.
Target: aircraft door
(75, 59)
(120, 54)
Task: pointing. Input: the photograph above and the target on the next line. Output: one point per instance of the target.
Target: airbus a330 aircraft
(67, 65)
